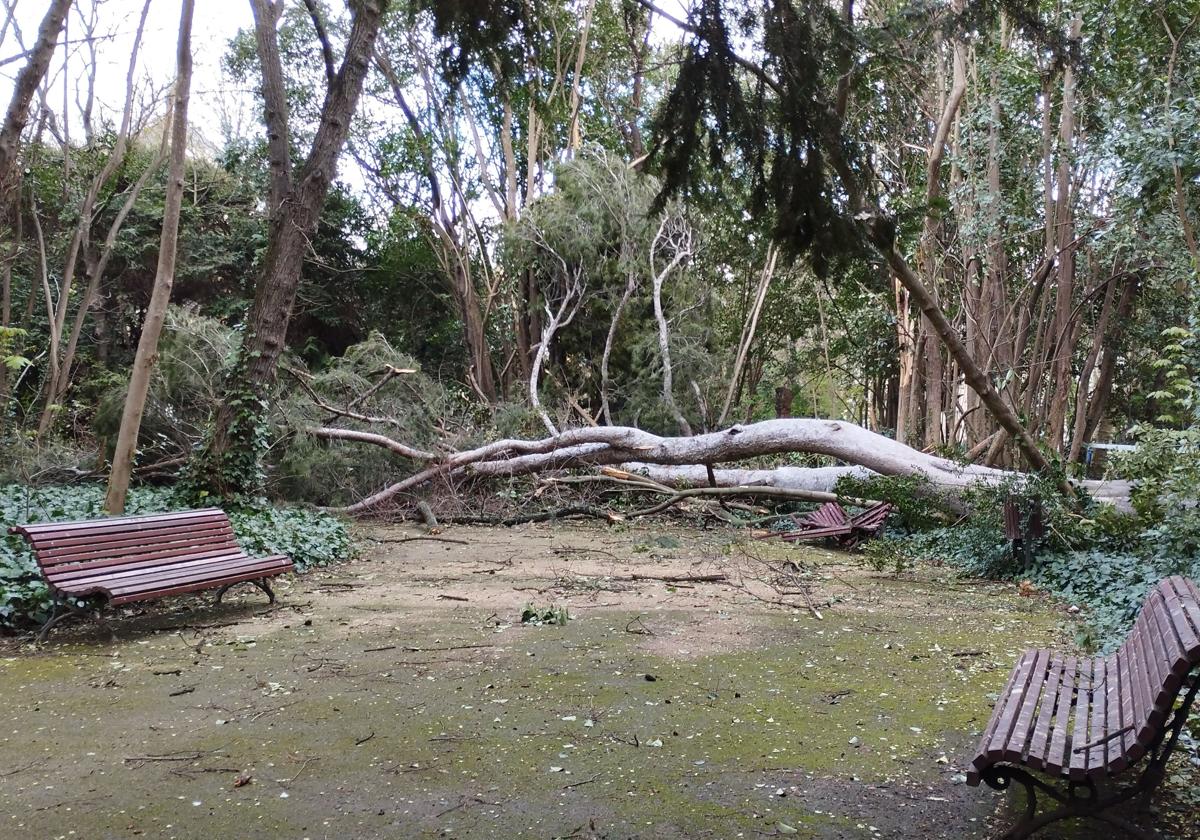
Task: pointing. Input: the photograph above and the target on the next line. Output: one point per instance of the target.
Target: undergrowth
(1093, 556)
(309, 537)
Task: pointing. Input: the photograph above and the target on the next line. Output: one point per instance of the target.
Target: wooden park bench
(830, 521)
(142, 558)
(1086, 720)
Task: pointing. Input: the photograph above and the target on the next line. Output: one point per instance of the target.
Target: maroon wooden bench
(1085, 720)
(141, 558)
(868, 524)
(831, 521)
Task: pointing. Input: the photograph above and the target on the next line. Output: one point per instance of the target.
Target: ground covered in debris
(760, 690)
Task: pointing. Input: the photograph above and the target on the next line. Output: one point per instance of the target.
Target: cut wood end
(613, 472)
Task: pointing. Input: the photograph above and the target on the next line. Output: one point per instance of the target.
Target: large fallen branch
(686, 461)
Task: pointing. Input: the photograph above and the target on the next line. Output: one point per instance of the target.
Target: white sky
(215, 22)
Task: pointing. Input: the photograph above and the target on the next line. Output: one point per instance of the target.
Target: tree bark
(26, 85)
(1064, 234)
(147, 351)
(611, 445)
(233, 450)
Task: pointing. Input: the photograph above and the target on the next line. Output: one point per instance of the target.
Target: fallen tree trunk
(683, 461)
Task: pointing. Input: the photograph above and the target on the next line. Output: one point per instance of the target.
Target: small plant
(542, 616)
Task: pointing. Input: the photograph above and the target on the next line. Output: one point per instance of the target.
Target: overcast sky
(215, 22)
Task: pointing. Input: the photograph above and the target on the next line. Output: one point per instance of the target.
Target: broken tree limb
(622, 445)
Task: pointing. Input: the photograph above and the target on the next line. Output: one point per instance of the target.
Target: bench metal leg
(261, 583)
(61, 609)
(1079, 800)
(1083, 799)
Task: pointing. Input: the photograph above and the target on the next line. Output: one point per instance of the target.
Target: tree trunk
(1064, 234)
(610, 445)
(230, 460)
(26, 85)
(164, 277)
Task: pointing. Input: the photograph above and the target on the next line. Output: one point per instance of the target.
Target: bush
(1096, 557)
(310, 538)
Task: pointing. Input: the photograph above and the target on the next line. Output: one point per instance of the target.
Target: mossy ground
(369, 705)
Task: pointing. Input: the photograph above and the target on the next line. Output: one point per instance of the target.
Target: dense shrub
(310, 538)
(1095, 557)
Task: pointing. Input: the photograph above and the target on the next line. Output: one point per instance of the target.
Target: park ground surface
(398, 695)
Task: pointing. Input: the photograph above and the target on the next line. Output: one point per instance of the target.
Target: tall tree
(230, 460)
(164, 278)
(27, 83)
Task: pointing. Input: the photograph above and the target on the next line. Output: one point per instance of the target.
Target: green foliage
(544, 616)
(1098, 558)
(918, 504)
(310, 538)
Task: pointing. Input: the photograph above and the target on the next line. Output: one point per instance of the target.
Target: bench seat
(140, 558)
(1086, 718)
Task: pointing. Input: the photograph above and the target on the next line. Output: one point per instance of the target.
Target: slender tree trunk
(1111, 350)
(1083, 387)
(164, 277)
(231, 457)
(26, 85)
(927, 249)
(1064, 236)
(748, 331)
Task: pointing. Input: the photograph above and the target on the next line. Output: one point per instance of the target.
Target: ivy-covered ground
(398, 695)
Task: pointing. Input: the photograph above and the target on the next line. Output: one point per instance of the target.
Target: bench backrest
(68, 551)
(828, 515)
(872, 518)
(1160, 651)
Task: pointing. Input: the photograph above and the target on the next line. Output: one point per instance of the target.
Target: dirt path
(398, 696)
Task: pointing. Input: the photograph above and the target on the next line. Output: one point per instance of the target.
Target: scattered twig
(580, 784)
(22, 768)
(303, 767)
(640, 629)
(445, 597)
(377, 649)
(718, 578)
(187, 689)
(419, 539)
(360, 741)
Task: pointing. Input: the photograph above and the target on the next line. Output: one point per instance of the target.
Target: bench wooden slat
(84, 553)
(1189, 595)
(108, 525)
(1130, 748)
(167, 580)
(1018, 739)
(52, 550)
(817, 533)
(1085, 689)
(990, 729)
(197, 586)
(1156, 654)
(1098, 718)
(1177, 609)
(1114, 749)
(1150, 665)
(872, 518)
(1166, 652)
(147, 558)
(1009, 707)
(1056, 757)
(1039, 743)
(196, 559)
